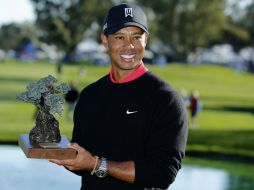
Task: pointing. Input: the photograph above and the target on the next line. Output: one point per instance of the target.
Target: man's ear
(146, 38)
(104, 40)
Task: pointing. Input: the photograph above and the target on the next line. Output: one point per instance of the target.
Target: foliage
(236, 36)
(64, 23)
(248, 22)
(187, 24)
(183, 24)
(180, 24)
(45, 94)
(236, 32)
(14, 36)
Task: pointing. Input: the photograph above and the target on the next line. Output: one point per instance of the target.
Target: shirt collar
(139, 71)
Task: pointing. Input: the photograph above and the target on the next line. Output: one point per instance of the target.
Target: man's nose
(128, 43)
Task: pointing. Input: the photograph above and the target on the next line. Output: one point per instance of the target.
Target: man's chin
(128, 67)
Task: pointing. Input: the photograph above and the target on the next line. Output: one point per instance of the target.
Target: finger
(62, 162)
(69, 167)
(72, 168)
(76, 147)
(58, 162)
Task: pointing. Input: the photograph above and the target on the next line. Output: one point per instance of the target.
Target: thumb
(76, 147)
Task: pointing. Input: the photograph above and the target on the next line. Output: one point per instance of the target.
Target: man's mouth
(127, 56)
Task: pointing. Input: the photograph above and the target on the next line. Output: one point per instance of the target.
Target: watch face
(101, 173)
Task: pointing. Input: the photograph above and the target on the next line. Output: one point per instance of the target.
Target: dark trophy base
(47, 150)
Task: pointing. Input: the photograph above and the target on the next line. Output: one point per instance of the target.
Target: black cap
(124, 15)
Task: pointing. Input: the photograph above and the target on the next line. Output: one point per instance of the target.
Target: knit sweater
(143, 120)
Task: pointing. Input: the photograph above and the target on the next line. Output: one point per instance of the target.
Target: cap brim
(114, 29)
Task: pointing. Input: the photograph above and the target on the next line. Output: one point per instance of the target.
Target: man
(130, 127)
(195, 106)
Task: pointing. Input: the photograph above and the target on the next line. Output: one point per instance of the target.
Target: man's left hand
(83, 161)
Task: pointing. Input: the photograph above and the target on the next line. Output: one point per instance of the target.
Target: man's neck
(122, 76)
(119, 75)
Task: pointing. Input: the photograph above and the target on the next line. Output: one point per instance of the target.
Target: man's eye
(119, 37)
(137, 37)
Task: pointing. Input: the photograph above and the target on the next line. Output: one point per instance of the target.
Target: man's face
(126, 47)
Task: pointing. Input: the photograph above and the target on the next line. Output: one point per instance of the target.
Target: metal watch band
(102, 170)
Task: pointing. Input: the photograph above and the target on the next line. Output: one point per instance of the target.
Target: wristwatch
(101, 172)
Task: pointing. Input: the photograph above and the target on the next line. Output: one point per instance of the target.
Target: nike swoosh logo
(131, 112)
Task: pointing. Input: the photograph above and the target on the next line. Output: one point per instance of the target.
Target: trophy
(44, 140)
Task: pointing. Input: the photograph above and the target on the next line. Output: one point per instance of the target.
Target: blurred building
(2, 54)
(90, 50)
(219, 54)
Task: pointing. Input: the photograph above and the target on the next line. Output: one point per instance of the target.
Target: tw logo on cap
(128, 12)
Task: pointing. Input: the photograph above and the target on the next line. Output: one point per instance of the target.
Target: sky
(17, 11)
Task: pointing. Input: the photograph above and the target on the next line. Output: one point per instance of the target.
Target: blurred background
(204, 48)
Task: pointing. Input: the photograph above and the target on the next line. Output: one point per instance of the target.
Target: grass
(225, 124)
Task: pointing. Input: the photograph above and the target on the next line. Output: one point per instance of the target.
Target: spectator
(195, 107)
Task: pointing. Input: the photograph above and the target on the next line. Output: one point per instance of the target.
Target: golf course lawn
(225, 123)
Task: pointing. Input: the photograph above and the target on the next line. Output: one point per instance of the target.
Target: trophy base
(47, 150)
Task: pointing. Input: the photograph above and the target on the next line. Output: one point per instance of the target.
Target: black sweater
(143, 120)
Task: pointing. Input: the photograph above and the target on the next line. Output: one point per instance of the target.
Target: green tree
(186, 24)
(13, 36)
(248, 22)
(235, 32)
(64, 23)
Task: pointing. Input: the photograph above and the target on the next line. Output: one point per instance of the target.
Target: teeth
(127, 56)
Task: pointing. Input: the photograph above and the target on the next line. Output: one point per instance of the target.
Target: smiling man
(130, 127)
(126, 48)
